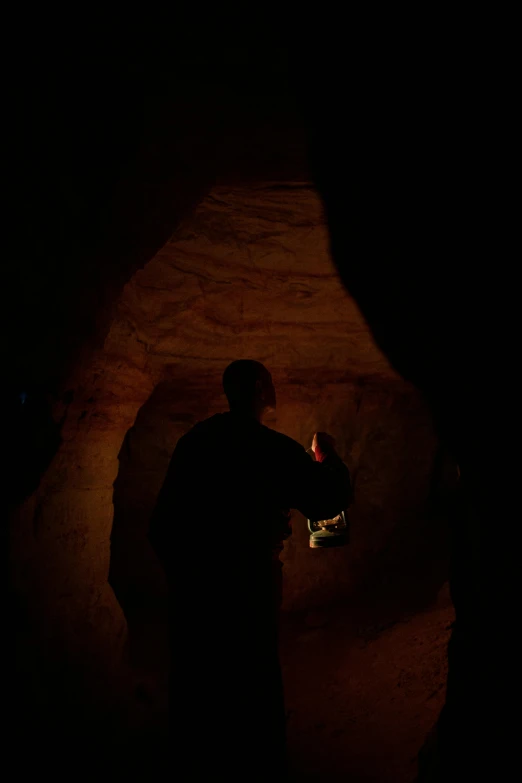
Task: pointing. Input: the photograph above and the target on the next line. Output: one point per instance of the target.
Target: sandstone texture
(247, 275)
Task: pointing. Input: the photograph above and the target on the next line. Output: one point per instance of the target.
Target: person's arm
(320, 489)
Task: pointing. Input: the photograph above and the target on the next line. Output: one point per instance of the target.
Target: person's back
(219, 524)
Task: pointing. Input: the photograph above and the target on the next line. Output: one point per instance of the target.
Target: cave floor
(363, 685)
(362, 695)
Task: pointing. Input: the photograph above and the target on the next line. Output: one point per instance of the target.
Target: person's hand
(323, 443)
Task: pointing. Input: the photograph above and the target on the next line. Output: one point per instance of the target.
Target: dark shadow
(135, 574)
(418, 185)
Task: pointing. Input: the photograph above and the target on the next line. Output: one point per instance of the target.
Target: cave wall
(248, 274)
(385, 435)
(71, 626)
(60, 290)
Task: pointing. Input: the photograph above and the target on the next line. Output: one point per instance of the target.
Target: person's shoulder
(216, 422)
(203, 429)
(282, 442)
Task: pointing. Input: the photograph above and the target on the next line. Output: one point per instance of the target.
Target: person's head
(249, 388)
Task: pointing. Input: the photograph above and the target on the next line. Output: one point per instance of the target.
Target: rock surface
(247, 275)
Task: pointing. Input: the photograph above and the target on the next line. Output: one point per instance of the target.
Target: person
(218, 528)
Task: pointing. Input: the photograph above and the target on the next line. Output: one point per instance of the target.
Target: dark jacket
(231, 483)
(221, 516)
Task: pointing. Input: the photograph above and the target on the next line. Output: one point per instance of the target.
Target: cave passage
(334, 199)
(364, 627)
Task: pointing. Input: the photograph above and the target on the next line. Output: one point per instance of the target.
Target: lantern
(329, 532)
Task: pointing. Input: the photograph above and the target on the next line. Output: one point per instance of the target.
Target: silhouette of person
(218, 528)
